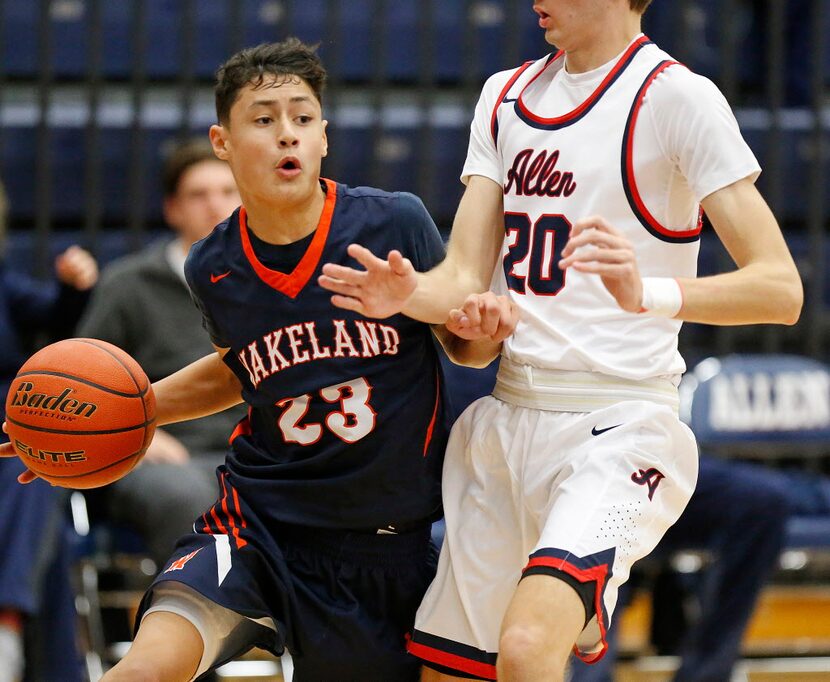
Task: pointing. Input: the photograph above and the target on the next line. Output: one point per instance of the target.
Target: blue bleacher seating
(762, 406)
(759, 405)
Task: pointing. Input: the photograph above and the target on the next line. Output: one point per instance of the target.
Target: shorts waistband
(357, 544)
(573, 391)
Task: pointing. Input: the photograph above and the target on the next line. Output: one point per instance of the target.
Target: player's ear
(218, 139)
(325, 139)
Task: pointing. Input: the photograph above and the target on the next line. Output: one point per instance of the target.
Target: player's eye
(304, 118)
(264, 120)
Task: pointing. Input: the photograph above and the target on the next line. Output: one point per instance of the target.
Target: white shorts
(529, 491)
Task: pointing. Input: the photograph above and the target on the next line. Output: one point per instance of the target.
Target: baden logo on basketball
(25, 396)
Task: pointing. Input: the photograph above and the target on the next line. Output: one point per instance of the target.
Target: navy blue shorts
(343, 601)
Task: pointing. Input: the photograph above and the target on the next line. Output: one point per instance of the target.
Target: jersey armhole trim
(635, 201)
(494, 121)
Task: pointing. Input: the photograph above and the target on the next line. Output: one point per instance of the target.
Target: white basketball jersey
(556, 170)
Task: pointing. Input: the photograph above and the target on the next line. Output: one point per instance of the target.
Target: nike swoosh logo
(215, 278)
(507, 100)
(596, 432)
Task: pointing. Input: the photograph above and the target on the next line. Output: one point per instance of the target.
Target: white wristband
(662, 297)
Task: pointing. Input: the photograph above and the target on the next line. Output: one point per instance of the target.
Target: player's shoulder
(678, 84)
(394, 205)
(496, 82)
(215, 248)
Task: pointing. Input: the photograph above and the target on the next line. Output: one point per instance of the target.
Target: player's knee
(521, 643)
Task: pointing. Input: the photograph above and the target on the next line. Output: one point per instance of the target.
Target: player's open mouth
(289, 166)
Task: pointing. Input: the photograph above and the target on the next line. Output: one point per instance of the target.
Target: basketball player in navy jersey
(320, 539)
(585, 175)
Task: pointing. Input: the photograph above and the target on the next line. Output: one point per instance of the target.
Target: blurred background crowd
(104, 111)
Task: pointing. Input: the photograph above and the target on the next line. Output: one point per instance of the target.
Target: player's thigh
(430, 675)
(167, 647)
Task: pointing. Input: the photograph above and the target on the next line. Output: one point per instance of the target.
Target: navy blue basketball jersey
(345, 427)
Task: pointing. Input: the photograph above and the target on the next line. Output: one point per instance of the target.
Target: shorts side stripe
(595, 568)
(464, 658)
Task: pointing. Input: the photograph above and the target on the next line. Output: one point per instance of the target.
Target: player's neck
(287, 223)
(606, 45)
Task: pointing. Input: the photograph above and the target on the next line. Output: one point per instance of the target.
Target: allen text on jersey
(539, 177)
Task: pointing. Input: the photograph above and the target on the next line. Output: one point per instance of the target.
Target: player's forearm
(204, 387)
(440, 290)
(756, 294)
(475, 244)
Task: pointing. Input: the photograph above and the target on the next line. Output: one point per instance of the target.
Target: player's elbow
(792, 299)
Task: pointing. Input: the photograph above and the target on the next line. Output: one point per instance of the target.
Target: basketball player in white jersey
(585, 176)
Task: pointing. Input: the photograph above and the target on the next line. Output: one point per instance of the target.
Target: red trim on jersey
(592, 99)
(453, 661)
(597, 574)
(219, 524)
(292, 284)
(237, 507)
(240, 542)
(243, 428)
(629, 167)
(502, 95)
(434, 412)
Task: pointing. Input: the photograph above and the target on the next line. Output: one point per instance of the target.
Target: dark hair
(182, 157)
(640, 5)
(290, 58)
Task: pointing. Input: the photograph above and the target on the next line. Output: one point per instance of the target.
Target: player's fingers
(339, 286)
(613, 270)
(491, 309)
(472, 310)
(7, 450)
(348, 303)
(399, 265)
(507, 322)
(594, 237)
(365, 257)
(344, 272)
(589, 254)
(595, 221)
(26, 477)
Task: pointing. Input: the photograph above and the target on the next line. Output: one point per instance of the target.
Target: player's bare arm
(390, 286)
(204, 387)
(766, 287)
(473, 334)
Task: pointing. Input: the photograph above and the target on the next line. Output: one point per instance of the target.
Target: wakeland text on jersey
(299, 343)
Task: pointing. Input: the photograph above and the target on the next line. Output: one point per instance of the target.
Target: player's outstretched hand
(77, 268)
(7, 450)
(381, 290)
(484, 316)
(597, 247)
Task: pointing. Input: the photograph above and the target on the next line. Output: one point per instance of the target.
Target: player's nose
(287, 137)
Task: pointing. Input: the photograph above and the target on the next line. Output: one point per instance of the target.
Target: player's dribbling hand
(597, 247)
(484, 316)
(379, 291)
(7, 450)
(77, 268)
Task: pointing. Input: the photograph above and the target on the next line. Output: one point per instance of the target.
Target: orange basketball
(80, 413)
